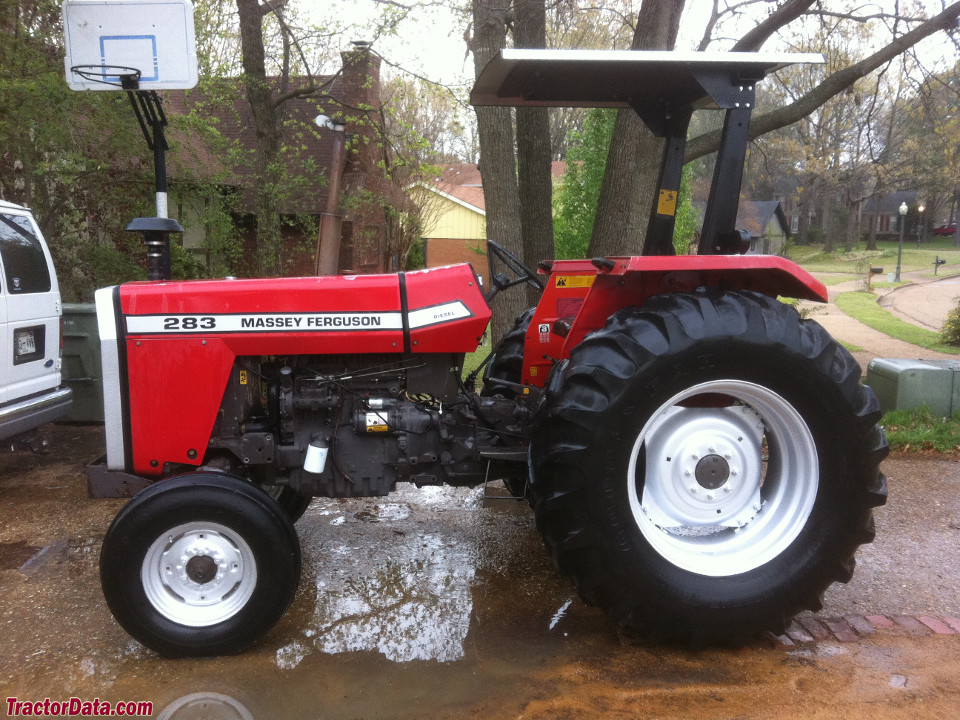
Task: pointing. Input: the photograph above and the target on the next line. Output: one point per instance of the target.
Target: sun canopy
(625, 78)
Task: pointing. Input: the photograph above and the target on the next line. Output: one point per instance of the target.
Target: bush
(950, 334)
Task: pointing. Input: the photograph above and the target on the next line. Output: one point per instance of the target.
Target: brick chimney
(365, 231)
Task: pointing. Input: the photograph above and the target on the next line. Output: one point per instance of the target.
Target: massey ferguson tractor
(701, 460)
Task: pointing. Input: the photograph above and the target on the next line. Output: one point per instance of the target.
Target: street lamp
(920, 209)
(328, 239)
(903, 222)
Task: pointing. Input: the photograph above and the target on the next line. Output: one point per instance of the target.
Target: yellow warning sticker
(575, 281)
(533, 371)
(667, 203)
(243, 377)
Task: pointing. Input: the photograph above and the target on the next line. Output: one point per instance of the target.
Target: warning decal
(575, 281)
(667, 203)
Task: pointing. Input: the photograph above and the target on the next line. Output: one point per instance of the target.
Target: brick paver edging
(851, 628)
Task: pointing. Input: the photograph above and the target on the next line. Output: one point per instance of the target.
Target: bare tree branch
(833, 85)
(786, 13)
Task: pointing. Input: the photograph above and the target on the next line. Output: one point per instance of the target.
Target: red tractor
(700, 459)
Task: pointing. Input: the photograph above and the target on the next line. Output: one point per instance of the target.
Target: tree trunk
(874, 219)
(826, 221)
(852, 224)
(534, 154)
(497, 164)
(803, 220)
(268, 130)
(633, 162)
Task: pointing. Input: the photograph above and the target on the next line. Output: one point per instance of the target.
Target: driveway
(925, 302)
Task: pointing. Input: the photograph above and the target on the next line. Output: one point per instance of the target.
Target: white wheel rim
(199, 574)
(711, 503)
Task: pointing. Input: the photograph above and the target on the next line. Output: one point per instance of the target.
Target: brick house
(455, 228)
(352, 97)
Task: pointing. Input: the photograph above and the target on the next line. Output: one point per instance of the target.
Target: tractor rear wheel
(706, 466)
(200, 564)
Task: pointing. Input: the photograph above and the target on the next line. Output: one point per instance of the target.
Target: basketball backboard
(107, 40)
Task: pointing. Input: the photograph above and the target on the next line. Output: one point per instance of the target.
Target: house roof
(889, 203)
(755, 215)
(461, 182)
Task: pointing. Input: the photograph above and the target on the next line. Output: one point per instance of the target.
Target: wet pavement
(442, 603)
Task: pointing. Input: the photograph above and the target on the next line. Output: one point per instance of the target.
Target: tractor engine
(353, 426)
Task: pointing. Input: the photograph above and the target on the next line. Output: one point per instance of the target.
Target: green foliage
(575, 202)
(688, 219)
(950, 334)
(416, 257)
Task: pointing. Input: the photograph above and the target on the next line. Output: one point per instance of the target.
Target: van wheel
(706, 466)
(200, 564)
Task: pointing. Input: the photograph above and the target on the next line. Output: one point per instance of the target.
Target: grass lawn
(863, 307)
(813, 259)
(919, 429)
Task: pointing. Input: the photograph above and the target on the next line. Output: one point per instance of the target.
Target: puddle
(206, 706)
(386, 578)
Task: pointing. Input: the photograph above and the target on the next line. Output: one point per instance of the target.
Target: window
(24, 264)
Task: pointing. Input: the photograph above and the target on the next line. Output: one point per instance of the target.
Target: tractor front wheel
(200, 564)
(706, 466)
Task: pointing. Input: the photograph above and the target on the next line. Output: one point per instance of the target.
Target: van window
(24, 265)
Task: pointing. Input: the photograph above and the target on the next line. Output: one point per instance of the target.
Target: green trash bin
(81, 362)
(901, 384)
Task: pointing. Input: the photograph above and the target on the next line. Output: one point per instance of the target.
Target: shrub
(951, 328)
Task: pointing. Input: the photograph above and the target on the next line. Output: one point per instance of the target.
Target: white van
(30, 331)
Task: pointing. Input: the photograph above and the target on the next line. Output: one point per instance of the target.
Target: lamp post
(920, 209)
(328, 239)
(903, 222)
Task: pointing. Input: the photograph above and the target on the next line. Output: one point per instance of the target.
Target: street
(440, 603)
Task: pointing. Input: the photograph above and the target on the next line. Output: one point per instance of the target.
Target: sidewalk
(925, 302)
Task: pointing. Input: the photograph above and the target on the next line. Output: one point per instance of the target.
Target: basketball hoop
(121, 76)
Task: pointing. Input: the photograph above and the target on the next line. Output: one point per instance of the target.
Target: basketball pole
(148, 107)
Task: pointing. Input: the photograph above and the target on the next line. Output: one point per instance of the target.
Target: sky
(431, 41)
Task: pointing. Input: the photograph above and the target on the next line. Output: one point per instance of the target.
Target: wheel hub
(712, 472)
(719, 491)
(704, 467)
(199, 573)
(201, 569)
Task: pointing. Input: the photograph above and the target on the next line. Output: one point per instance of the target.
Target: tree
(534, 177)
(75, 158)
(631, 171)
(634, 157)
(497, 158)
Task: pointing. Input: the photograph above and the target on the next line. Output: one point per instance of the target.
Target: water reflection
(206, 706)
(383, 584)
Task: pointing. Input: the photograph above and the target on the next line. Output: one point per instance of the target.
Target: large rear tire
(199, 565)
(706, 466)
